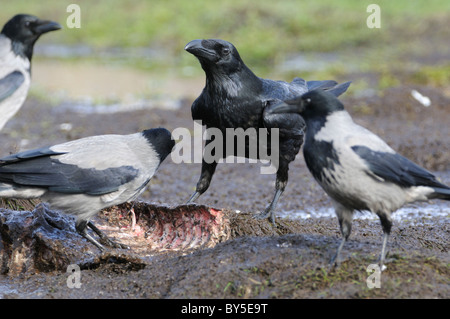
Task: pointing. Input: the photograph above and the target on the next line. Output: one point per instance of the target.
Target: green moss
(432, 75)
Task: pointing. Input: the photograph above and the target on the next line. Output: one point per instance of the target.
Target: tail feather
(327, 84)
(339, 89)
(12, 191)
(441, 193)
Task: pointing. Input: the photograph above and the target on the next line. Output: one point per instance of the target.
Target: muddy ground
(254, 263)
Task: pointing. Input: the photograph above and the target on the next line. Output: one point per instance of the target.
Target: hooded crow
(17, 40)
(356, 168)
(234, 97)
(84, 176)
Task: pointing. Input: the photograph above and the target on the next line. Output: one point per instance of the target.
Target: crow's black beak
(293, 106)
(193, 46)
(196, 48)
(44, 26)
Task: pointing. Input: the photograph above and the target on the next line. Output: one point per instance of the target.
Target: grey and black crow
(84, 176)
(356, 168)
(17, 40)
(234, 97)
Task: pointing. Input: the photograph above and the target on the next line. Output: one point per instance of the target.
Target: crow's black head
(161, 141)
(313, 104)
(215, 55)
(24, 30)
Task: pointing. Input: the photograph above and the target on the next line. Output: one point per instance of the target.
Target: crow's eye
(308, 100)
(27, 23)
(225, 51)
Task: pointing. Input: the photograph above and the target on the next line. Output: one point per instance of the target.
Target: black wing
(286, 91)
(314, 85)
(44, 151)
(41, 168)
(280, 90)
(10, 83)
(203, 109)
(338, 89)
(395, 168)
(290, 124)
(329, 85)
(198, 109)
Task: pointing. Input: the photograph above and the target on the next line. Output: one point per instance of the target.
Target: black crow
(356, 168)
(84, 176)
(16, 49)
(234, 97)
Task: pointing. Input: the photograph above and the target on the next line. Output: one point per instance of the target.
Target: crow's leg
(335, 260)
(208, 170)
(386, 224)
(345, 217)
(280, 185)
(268, 212)
(81, 228)
(104, 239)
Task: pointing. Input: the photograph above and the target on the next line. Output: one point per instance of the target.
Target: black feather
(160, 140)
(319, 156)
(43, 171)
(397, 169)
(10, 83)
(313, 85)
(34, 153)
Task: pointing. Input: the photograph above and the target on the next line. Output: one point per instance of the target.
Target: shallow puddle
(410, 213)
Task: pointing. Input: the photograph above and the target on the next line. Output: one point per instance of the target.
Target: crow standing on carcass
(84, 176)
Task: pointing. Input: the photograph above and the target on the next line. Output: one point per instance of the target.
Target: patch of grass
(362, 109)
(387, 80)
(432, 75)
(406, 276)
(325, 278)
(18, 204)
